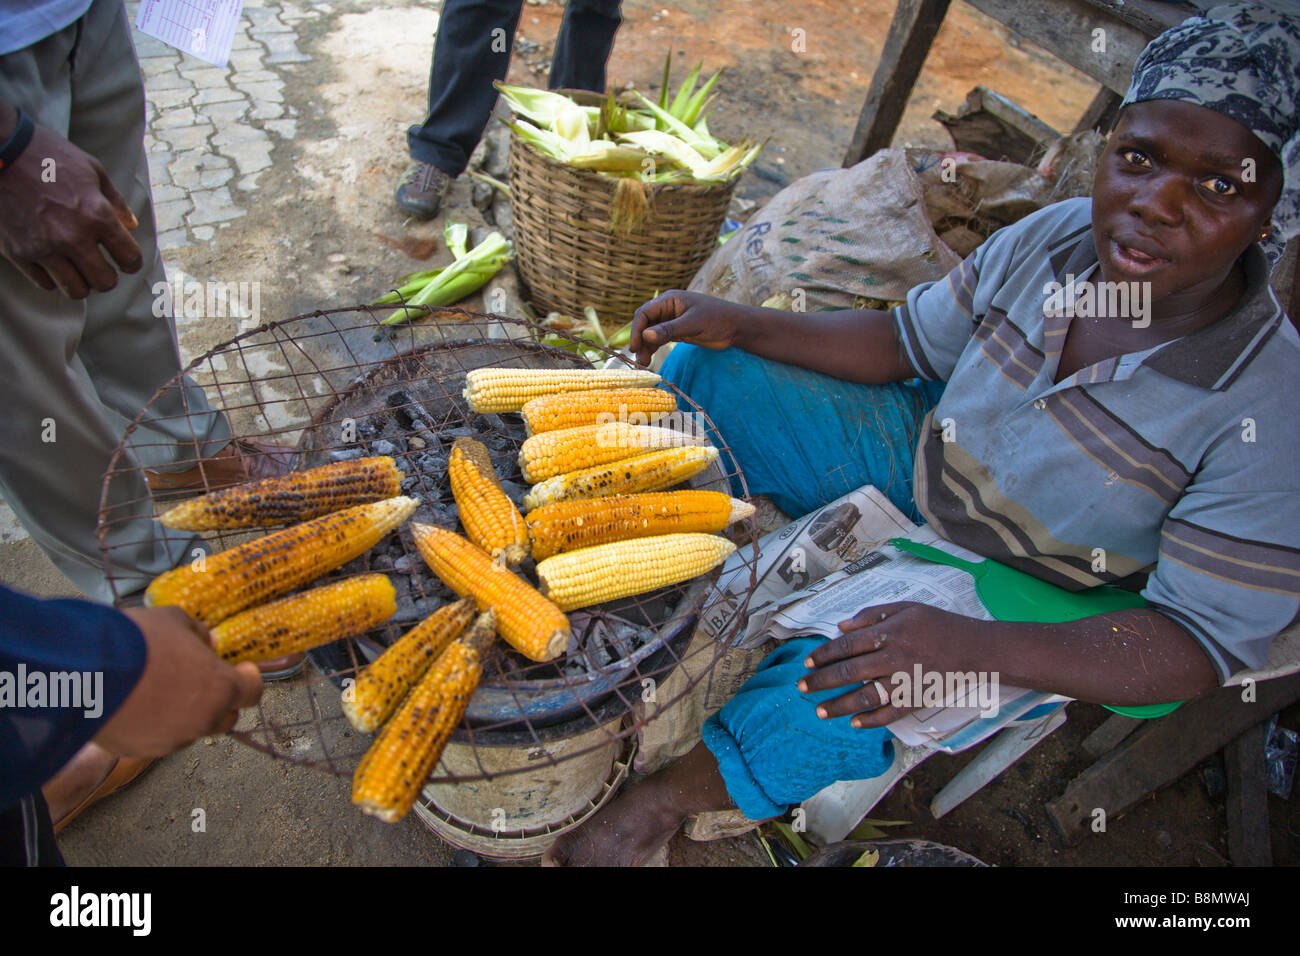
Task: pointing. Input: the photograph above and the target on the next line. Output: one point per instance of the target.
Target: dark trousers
(27, 834)
(473, 49)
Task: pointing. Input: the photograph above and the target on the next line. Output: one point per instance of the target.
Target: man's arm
(141, 684)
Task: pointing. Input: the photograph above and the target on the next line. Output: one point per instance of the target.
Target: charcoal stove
(330, 385)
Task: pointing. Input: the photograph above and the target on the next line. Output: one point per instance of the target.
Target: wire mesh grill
(337, 385)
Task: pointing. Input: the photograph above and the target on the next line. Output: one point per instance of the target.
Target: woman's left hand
(878, 643)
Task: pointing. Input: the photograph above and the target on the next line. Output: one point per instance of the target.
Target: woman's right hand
(690, 317)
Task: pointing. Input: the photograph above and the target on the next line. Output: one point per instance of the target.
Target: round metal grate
(334, 385)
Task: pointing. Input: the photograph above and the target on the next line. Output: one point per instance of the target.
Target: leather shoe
(422, 190)
(124, 770)
(282, 668)
(238, 462)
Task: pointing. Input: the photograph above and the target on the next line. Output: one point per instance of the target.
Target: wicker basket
(570, 255)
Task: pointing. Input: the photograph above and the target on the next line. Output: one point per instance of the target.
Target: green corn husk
(683, 97)
(705, 146)
(666, 144)
(697, 104)
(604, 156)
(456, 236)
(469, 273)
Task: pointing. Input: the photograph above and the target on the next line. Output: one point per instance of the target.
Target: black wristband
(22, 135)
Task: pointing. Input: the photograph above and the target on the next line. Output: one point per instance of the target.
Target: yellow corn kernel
(507, 389)
(213, 588)
(624, 568)
(393, 771)
(533, 625)
(636, 406)
(569, 525)
(650, 472)
(382, 685)
(573, 449)
(490, 518)
(306, 620)
(294, 497)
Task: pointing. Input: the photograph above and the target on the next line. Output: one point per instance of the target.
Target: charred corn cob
(636, 406)
(569, 525)
(652, 472)
(293, 497)
(507, 389)
(490, 518)
(573, 449)
(623, 568)
(306, 620)
(213, 588)
(392, 772)
(533, 625)
(382, 685)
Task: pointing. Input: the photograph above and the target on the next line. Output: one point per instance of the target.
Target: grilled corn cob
(569, 525)
(652, 472)
(382, 685)
(293, 497)
(229, 581)
(507, 389)
(533, 625)
(306, 620)
(608, 571)
(490, 518)
(392, 772)
(571, 409)
(572, 449)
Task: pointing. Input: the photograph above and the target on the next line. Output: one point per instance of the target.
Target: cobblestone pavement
(211, 130)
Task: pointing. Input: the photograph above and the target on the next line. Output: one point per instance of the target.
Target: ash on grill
(419, 440)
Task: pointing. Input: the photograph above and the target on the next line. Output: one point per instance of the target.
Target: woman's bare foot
(631, 829)
(626, 833)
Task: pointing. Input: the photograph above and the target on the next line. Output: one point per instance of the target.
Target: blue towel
(774, 751)
(804, 438)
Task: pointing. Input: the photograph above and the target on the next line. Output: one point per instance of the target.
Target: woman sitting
(1117, 375)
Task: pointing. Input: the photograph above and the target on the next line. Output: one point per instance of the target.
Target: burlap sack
(836, 239)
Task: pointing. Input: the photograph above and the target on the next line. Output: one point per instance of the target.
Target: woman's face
(1180, 193)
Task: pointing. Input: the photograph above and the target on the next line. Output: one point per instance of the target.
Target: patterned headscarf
(1244, 63)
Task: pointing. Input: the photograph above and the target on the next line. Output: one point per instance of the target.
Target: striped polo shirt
(1176, 469)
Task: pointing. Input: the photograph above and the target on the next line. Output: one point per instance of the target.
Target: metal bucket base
(519, 844)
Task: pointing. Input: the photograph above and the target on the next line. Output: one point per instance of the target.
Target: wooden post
(1163, 750)
(911, 32)
(1101, 112)
(1249, 840)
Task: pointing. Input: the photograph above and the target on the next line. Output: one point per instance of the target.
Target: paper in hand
(202, 28)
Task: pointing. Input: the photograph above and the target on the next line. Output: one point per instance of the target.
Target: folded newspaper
(813, 573)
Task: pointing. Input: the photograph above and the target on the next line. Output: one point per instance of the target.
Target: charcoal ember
(343, 454)
(506, 466)
(488, 424)
(431, 463)
(409, 483)
(382, 562)
(403, 563)
(514, 491)
(404, 409)
(367, 430)
(385, 447)
(449, 435)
